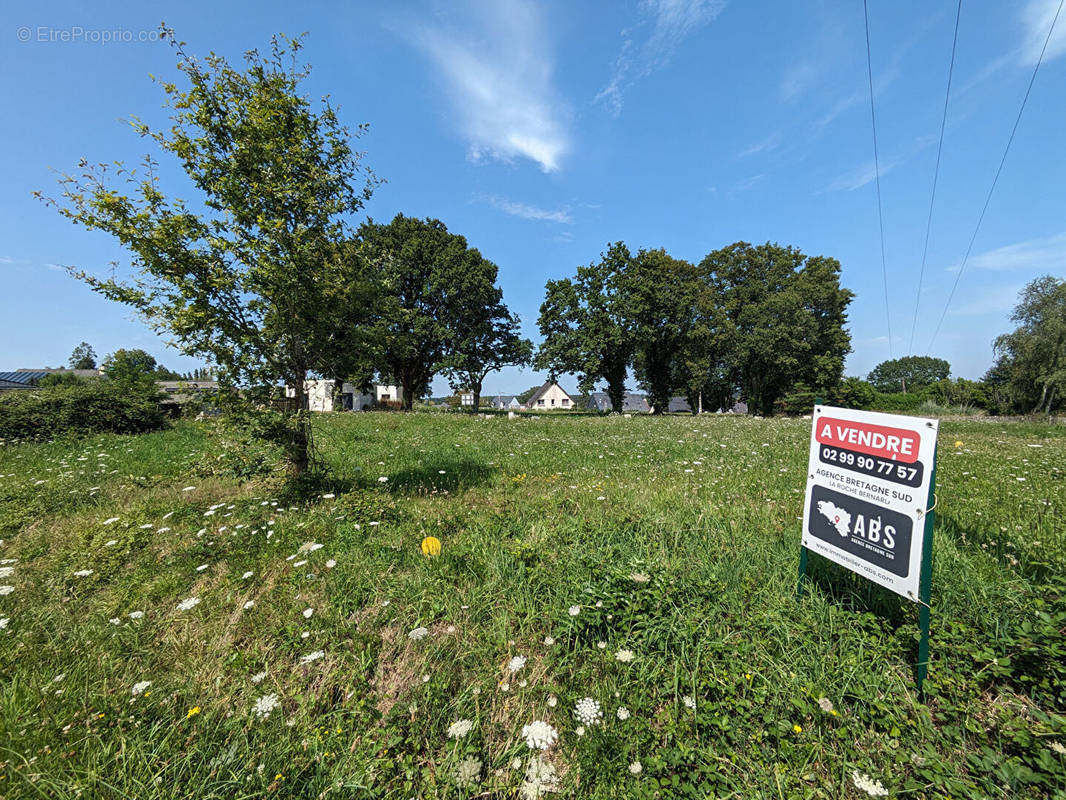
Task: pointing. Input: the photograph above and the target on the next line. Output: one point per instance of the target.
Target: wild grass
(535, 516)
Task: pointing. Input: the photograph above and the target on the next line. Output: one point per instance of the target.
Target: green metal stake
(925, 583)
(803, 550)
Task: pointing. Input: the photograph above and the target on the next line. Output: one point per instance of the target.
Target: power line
(995, 180)
(877, 175)
(936, 174)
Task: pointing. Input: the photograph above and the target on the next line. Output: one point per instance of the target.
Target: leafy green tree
(853, 393)
(909, 373)
(661, 296)
(587, 327)
(528, 393)
(1032, 358)
(486, 341)
(704, 369)
(432, 285)
(786, 312)
(83, 357)
(134, 367)
(241, 276)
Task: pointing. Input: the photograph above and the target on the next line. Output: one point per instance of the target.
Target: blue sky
(543, 131)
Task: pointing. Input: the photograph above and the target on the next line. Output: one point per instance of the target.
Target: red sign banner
(873, 440)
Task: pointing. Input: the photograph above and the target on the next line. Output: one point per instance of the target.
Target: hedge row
(91, 407)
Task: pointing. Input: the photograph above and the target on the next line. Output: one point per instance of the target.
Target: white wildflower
(516, 664)
(6, 572)
(468, 772)
(189, 489)
(539, 735)
(308, 612)
(541, 778)
(383, 479)
(549, 640)
(115, 621)
(689, 701)
(109, 521)
(622, 713)
(625, 656)
(264, 705)
(587, 711)
(247, 575)
(418, 634)
(258, 677)
(573, 611)
(312, 657)
(83, 573)
(553, 701)
(6, 590)
(331, 564)
(580, 730)
(826, 705)
(4, 622)
(1056, 747)
(191, 602)
(868, 784)
(136, 614)
(139, 687)
(249, 604)
(601, 645)
(636, 768)
(202, 567)
(460, 728)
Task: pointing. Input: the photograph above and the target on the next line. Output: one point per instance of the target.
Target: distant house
(506, 402)
(678, 405)
(29, 378)
(550, 397)
(320, 395)
(632, 403)
(466, 399)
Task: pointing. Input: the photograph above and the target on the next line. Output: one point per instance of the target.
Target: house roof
(631, 401)
(27, 377)
(187, 384)
(505, 399)
(679, 405)
(5, 384)
(532, 401)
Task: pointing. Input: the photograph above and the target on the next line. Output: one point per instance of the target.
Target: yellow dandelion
(431, 546)
(193, 712)
(958, 444)
(797, 729)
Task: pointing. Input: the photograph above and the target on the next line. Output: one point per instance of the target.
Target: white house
(320, 395)
(550, 397)
(466, 399)
(506, 402)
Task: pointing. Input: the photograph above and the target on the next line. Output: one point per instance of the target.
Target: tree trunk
(1040, 405)
(298, 444)
(476, 391)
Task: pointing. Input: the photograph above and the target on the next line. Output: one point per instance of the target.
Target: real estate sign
(868, 485)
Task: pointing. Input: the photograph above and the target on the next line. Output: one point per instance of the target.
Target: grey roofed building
(679, 405)
(632, 403)
(506, 401)
(28, 378)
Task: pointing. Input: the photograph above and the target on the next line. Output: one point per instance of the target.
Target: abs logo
(875, 534)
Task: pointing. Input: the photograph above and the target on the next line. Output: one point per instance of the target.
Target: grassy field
(173, 630)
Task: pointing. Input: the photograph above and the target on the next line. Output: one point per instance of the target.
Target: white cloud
(749, 183)
(498, 72)
(526, 211)
(6, 260)
(988, 300)
(865, 173)
(771, 142)
(1036, 20)
(670, 22)
(1034, 256)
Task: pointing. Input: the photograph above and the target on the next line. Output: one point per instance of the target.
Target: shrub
(853, 393)
(898, 401)
(89, 407)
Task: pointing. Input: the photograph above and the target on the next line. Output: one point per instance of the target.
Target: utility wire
(936, 174)
(1002, 161)
(877, 175)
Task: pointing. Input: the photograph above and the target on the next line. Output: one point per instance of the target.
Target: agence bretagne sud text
(869, 489)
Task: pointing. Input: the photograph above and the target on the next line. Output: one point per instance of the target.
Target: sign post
(869, 503)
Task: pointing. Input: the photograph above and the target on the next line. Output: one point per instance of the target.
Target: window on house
(540, 402)
(384, 398)
(566, 402)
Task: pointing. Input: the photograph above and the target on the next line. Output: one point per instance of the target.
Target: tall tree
(661, 299)
(83, 357)
(239, 277)
(432, 285)
(908, 373)
(1033, 356)
(587, 326)
(486, 341)
(704, 369)
(787, 312)
(130, 368)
